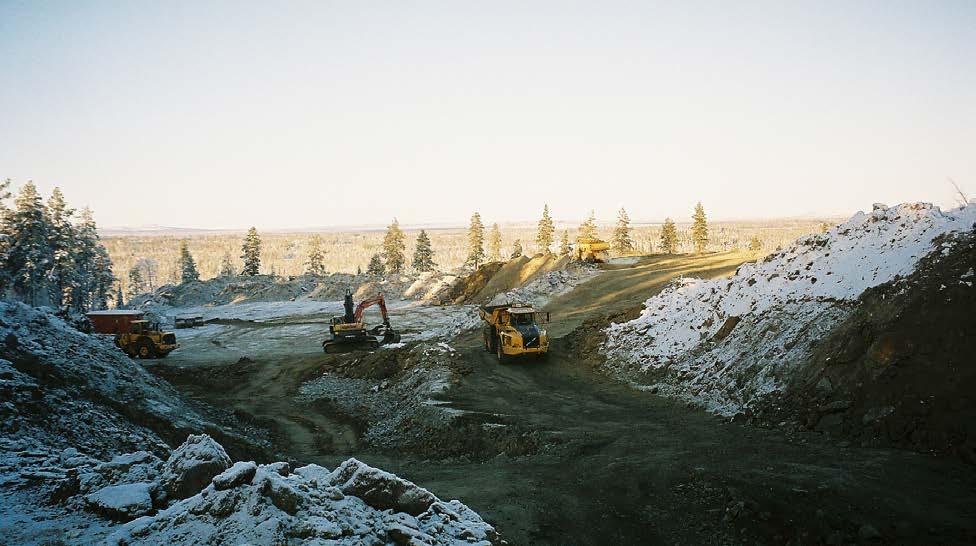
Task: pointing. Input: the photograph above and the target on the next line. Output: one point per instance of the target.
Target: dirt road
(609, 465)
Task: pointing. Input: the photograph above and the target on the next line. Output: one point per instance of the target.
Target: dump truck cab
(514, 330)
(146, 340)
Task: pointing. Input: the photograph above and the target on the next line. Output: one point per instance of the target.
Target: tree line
(50, 254)
(392, 257)
(483, 245)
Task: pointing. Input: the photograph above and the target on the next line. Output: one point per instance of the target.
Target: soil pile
(517, 273)
(900, 370)
(733, 346)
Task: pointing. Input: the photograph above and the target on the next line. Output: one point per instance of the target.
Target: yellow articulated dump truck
(513, 330)
(591, 250)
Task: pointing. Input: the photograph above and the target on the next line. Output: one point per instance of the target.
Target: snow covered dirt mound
(539, 291)
(727, 344)
(77, 377)
(272, 504)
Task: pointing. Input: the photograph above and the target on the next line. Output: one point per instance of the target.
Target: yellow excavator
(349, 332)
(513, 330)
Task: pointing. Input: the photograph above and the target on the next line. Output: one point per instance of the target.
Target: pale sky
(292, 114)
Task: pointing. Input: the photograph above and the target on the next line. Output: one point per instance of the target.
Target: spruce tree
(188, 268)
(119, 298)
(699, 229)
(61, 240)
(149, 271)
(316, 257)
(423, 254)
(494, 243)
(28, 255)
(93, 266)
(587, 229)
(621, 242)
(476, 242)
(669, 237)
(137, 284)
(227, 268)
(546, 229)
(516, 249)
(755, 244)
(394, 248)
(564, 248)
(4, 235)
(375, 266)
(251, 253)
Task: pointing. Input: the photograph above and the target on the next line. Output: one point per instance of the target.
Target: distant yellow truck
(592, 250)
(514, 330)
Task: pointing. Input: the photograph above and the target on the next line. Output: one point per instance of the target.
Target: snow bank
(728, 343)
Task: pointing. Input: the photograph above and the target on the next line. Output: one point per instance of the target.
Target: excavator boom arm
(369, 302)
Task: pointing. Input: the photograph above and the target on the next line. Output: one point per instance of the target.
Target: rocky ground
(86, 456)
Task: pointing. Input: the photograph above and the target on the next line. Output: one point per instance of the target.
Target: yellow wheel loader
(145, 340)
(513, 330)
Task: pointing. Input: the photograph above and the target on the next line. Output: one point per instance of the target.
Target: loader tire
(146, 350)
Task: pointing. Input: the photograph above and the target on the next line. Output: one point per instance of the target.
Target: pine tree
(669, 237)
(755, 244)
(251, 253)
(699, 229)
(5, 239)
(546, 229)
(587, 229)
(621, 242)
(61, 240)
(137, 284)
(149, 273)
(564, 248)
(494, 243)
(516, 249)
(227, 268)
(119, 299)
(375, 266)
(28, 257)
(423, 254)
(476, 242)
(394, 248)
(316, 257)
(188, 268)
(93, 266)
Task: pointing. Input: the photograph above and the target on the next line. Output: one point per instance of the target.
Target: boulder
(193, 466)
(381, 490)
(123, 502)
(235, 476)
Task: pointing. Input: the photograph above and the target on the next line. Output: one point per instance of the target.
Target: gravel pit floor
(590, 460)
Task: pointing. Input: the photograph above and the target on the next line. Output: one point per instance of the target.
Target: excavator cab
(349, 333)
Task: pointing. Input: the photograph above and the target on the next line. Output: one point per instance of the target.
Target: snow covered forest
(49, 253)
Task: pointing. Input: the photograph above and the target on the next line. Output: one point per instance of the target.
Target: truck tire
(486, 335)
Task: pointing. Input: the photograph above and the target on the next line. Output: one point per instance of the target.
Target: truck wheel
(487, 338)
